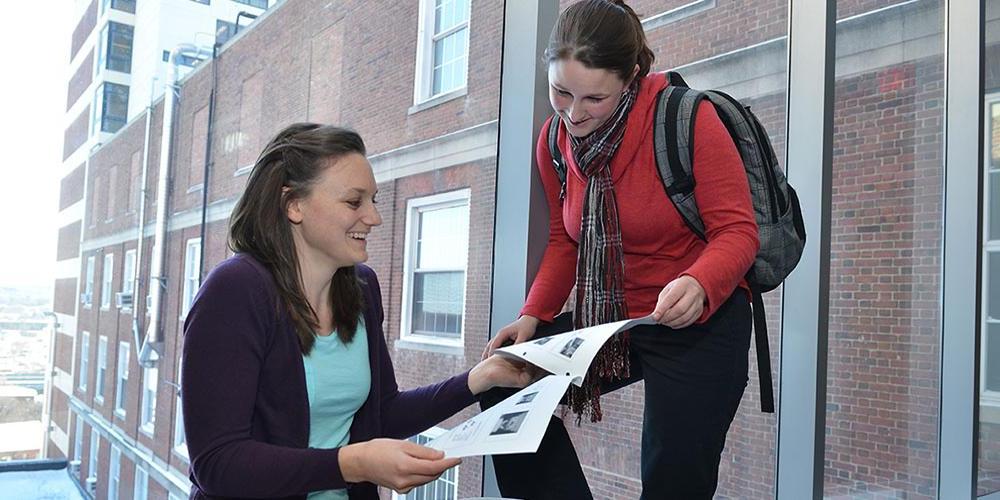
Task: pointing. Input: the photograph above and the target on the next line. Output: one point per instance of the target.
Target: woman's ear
(293, 209)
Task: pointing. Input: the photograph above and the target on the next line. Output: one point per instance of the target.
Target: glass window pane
(988, 475)
(443, 239)
(884, 324)
(438, 302)
(991, 367)
(994, 213)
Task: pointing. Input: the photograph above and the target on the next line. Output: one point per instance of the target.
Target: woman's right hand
(395, 464)
(519, 331)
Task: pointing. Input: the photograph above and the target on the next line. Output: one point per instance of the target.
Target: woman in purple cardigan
(287, 385)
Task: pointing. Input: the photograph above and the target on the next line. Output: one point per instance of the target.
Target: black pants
(694, 380)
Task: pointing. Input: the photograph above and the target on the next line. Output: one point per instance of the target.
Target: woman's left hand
(680, 303)
(498, 371)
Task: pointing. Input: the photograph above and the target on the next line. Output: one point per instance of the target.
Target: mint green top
(338, 378)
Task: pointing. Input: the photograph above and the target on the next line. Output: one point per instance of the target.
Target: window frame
(102, 368)
(101, 120)
(423, 89)
(107, 281)
(192, 274)
(180, 439)
(987, 397)
(150, 386)
(95, 453)
(88, 282)
(114, 473)
(114, 35)
(121, 379)
(414, 208)
(78, 439)
(423, 438)
(140, 484)
(250, 3)
(84, 361)
(128, 277)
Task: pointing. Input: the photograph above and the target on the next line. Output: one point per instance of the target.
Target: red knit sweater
(658, 246)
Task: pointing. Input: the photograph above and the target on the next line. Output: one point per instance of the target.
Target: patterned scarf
(600, 264)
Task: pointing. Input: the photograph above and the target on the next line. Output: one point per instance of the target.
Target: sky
(35, 37)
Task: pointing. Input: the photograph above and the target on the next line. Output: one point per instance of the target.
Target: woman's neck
(316, 279)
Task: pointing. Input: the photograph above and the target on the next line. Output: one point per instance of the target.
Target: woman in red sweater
(617, 238)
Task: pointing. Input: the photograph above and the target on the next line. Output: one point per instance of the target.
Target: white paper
(515, 425)
(570, 353)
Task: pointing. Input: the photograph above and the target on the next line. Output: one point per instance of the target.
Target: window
(84, 359)
(182, 59)
(102, 368)
(106, 278)
(128, 280)
(990, 358)
(205, 2)
(260, 4)
(122, 5)
(443, 48)
(78, 439)
(110, 110)
(141, 490)
(87, 297)
(192, 274)
(149, 381)
(120, 389)
(114, 471)
(444, 487)
(95, 449)
(116, 47)
(224, 31)
(437, 247)
(180, 440)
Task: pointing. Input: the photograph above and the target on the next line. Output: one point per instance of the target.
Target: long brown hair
(601, 34)
(286, 170)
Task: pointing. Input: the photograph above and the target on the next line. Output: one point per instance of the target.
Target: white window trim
(95, 453)
(121, 379)
(148, 409)
(987, 398)
(180, 440)
(115, 472)
(107, 281)
(140, 484)
(187, 293)
(102, 369)
(88, 282)
(128, 277)
(84, 361)
(424, 68)
(409, 252)
(433, 433)
(78, 439)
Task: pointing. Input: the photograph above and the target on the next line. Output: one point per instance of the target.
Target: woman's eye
(595, 99)
(355, 203)
(563, 93)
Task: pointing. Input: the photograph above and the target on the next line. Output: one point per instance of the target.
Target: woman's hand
(392, 463)
(519, 331)
(498, 371)
(681, 302)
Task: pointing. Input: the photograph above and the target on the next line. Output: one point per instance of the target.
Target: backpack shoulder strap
(673, 130)
(557, 158)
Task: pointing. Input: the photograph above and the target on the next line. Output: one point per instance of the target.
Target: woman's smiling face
(584, 98)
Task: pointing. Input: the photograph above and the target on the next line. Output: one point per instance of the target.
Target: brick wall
(64, 296)
(76, 133)
(81, 80)
(69, 241)
(71, 188)
(83, 28)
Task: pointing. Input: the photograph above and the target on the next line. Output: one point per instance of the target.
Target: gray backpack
(776, 207)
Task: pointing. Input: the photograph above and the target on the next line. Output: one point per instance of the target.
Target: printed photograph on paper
(527, 398)
(509, 423)
(571, 347)
(543, 340)
(465, 431)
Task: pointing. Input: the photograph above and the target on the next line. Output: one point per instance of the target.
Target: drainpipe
(140, 235)
(152, 347)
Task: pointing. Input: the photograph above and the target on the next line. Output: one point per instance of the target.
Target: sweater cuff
(465, 394)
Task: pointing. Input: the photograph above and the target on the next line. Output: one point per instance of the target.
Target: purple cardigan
(246, 410)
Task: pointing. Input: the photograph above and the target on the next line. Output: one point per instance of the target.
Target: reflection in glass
(886, 236)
